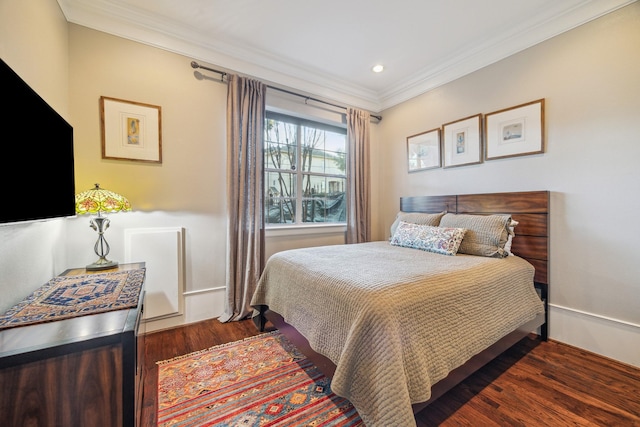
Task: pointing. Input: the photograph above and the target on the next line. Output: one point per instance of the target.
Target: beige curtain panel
(358, 193)
(245, 234)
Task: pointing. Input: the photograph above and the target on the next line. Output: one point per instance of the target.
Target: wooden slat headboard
(529, 208)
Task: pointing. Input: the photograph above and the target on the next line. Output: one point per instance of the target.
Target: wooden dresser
(82, 371)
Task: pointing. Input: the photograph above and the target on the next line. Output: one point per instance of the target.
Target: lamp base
(101, 264)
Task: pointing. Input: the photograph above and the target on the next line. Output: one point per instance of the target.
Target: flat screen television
(37, 169)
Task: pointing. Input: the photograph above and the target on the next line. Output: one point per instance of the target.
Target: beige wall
(192, 175)
(34, 43)
(188, 189)
(590, 80)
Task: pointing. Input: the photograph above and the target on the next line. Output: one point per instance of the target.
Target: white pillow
(512, 234)
(432, 219)
(486, 234)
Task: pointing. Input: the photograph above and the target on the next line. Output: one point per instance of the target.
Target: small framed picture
(423, 150)
(462, 142)
(515, 131)
(130, 130)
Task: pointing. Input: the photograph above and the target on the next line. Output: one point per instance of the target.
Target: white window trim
(277, 230)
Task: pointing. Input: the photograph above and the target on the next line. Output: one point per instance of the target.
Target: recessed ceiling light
(378, 68)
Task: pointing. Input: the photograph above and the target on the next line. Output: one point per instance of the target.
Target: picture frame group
(510, 132)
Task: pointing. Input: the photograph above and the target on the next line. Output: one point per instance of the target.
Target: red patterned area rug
(260, 381)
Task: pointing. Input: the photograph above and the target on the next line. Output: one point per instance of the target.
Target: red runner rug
(260, 381)
(70, 296)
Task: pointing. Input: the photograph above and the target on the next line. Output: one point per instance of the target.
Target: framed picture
(462, 142)
(423, 150)
(130, 130)
(515, 131)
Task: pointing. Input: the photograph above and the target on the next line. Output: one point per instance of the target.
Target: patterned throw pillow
(486, 234)
(440, 240)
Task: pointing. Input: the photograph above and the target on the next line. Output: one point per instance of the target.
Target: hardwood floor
(534, 383)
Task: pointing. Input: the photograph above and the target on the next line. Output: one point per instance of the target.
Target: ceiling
(327, 48)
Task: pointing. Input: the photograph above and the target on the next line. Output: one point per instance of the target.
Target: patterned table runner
(70, 296)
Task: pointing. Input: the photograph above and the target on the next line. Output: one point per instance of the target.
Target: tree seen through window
(305, 171)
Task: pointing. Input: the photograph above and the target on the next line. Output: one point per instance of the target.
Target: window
(304, 171)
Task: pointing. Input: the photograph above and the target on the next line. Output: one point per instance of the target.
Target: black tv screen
(37, 170)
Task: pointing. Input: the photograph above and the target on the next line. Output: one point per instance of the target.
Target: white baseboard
(198, 305)
(611, 338)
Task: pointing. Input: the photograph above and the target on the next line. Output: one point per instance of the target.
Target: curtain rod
(194, 64)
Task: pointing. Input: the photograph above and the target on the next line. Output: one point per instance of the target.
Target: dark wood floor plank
(527, 401)
(579, 376)
(570, 381)
(533, 384)
(591, 406)
(519, 406)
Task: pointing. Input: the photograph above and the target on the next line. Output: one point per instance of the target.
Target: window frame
(298, 223)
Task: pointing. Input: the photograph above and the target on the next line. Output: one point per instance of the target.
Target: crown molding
(114, 18)
(554, 22)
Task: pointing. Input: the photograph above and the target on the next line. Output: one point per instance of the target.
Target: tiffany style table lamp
(96, 201)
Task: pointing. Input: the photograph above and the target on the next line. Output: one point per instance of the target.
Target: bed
(395, 327)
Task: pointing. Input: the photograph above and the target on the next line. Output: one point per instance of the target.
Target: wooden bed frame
(531, 210)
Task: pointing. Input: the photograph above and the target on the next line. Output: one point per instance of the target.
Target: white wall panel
(162, 249)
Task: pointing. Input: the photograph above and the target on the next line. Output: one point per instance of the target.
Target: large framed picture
(130, 130)
(515, 131)
(423, 150)
(462, 142)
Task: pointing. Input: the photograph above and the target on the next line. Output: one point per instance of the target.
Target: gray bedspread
(396, 320)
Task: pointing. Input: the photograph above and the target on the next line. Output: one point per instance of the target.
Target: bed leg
(260, 320)
(543, 291)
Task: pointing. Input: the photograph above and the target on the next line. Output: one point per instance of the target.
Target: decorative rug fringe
(206, 350)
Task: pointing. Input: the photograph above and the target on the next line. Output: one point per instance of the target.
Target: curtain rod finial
(194, 64)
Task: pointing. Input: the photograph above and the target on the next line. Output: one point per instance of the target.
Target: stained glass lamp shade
(96, 201)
